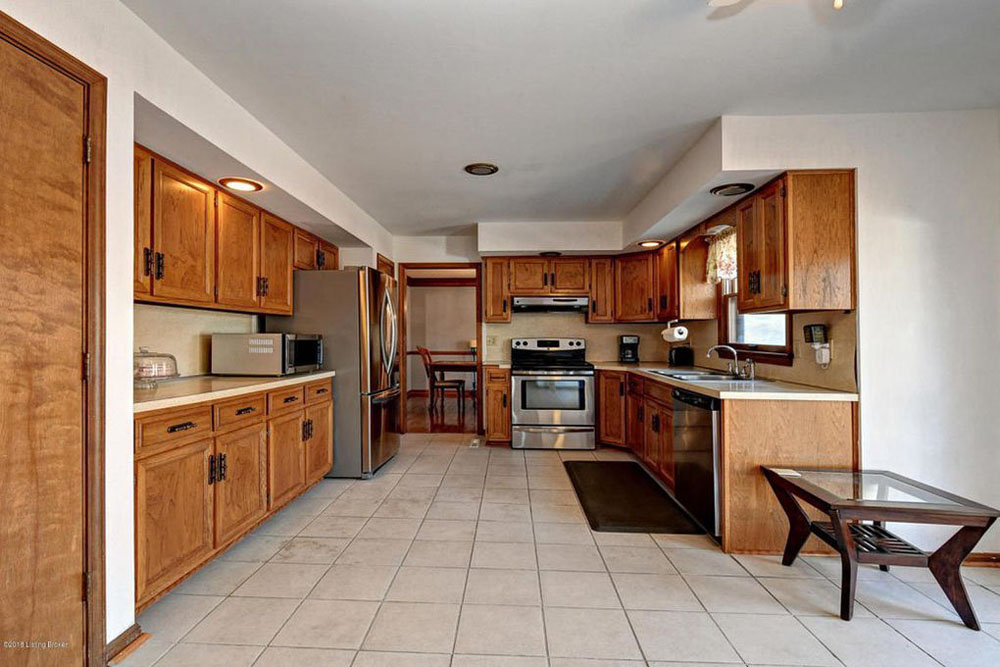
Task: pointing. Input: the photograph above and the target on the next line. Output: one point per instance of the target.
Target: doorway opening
(441, 332)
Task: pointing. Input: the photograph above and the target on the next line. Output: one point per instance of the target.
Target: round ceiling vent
(482, 169)
(732, 189)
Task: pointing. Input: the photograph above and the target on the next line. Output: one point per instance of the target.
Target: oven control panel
(550, 344)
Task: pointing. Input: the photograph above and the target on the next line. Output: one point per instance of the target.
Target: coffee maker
(628, 349)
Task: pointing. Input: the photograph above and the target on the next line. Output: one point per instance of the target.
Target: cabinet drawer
(281, 400)
(165, 430)
(495, 375)
(658, 392)
(239, 412)
(316, 392)
(634, 384)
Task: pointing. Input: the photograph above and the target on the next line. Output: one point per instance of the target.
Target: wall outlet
(491, 341)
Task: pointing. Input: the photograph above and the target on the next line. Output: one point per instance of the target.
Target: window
(765, 337)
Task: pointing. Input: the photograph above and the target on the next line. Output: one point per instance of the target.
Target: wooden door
(319, 445)
(772, 290)
(43, 401)
(276, 241)
(747, 264)
(602, 290)
(237, 245)
(667, 297)
(285, 457)
(497, 404)
(635, 430)
(634, 287)
(651, 436)
(173, 515)
(569, 275)
(329, 257)
(496, 294)
(529, 276)
(183, 235)
(142, 214)
(611, 407)
(241, 489)
(306, 247)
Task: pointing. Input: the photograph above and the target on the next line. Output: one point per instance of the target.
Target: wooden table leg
(945, 564)
(849, 565)
(798, 524)
(881, 524)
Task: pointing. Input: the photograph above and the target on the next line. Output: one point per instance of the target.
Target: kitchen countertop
(201, 388)
(759, 390)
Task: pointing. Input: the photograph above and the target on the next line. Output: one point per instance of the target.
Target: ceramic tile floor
(482, 557)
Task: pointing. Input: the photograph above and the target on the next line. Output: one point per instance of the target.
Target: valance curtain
(722, 257)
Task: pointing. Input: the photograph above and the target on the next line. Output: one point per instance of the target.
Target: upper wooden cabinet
(696, 297)
(306, 250)
(795, 240)
(142, 261)
(328, 257)
(602, 290)
(667, 297)
(634, 287)
(276, 241)
(237, 253)
(183, 235)
(496, 289)
(541, 275)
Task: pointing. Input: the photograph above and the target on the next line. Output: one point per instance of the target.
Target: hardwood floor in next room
(442, 419)
(481, 557)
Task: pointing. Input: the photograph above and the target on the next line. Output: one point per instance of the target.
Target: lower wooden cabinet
(635, 429)
(240, 481)
(285, 457)
(319, 441)
(611, 407)
(496, 382)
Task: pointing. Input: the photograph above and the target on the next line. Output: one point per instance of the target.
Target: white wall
(108, 37)
(439, 318)
(457, 248)
(532, 237)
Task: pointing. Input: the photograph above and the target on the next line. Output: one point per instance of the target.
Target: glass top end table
(851, 498)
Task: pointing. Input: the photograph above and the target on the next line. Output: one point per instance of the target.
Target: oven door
(552, 399)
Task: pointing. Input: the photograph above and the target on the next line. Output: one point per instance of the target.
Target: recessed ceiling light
(481, 169)
(650, 243)
(240, 184)
(731, 189)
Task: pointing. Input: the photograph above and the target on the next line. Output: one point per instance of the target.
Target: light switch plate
(491, 341)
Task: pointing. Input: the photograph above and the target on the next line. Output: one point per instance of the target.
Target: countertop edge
(265, 384)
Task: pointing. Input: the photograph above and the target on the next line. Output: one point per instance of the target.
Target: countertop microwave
(266, 353)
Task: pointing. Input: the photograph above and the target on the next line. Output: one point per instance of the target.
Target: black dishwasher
(696, 457)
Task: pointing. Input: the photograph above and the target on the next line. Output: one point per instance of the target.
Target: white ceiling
(584, 104)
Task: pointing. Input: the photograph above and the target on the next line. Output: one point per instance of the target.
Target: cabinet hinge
(87, 148)
(86, 366)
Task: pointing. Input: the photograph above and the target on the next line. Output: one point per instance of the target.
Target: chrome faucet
(733, 366)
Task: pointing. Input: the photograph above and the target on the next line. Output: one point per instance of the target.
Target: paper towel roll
(675, 334)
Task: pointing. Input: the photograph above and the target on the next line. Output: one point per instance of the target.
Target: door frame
(95, 87)
(402, 268)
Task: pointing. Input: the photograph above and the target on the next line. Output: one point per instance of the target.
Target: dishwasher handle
(697, 400)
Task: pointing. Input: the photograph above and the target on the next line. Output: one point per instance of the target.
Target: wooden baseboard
(983, 559)
(122, 645)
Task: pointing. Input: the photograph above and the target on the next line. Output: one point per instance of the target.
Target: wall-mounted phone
(816, 335)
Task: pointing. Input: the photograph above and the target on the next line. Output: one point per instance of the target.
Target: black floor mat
(619, 496)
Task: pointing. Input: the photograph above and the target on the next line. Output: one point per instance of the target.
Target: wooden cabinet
(529, 276)
(183, 236)
(496, 413)
(667, 297)
(328, 258)
(173, 515)
(285, 457)
(569, 275)
(276, 246)
(535, 276)
(795, 240)
(237, 243)
(496, 289)
(658, 439)
(319, 440)
(696, 297)
(240, 481)
(142, 260)
(611, 407)
(635, 429)
(602, 290)
(634, 287)
(306, 250)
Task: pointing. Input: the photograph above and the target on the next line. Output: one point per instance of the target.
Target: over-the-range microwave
(266, 353)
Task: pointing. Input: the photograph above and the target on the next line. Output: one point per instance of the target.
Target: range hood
(551, 304)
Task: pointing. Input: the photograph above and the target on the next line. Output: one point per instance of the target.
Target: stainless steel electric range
(553, 394)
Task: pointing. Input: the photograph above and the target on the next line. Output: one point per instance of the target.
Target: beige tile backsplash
(185, 333)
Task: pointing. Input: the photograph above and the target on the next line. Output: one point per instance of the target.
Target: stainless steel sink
(697, 376)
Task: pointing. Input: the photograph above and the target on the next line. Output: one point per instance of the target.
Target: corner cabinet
(611, 417)
(496, 412)
(496, 289)
(667, 296)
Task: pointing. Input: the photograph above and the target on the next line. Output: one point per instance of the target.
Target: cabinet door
(634, 287)
(665, 463)
(496, 294)
(651, 436)
(276, 241)
(569, 275)
(142, 261)
(329, 257)
(747, 258)
(497, 405)
(319, 445)
(183, 235)
(635, 429)
(241, 487)
(667, 298)
(611, 407)
(697, 297)
(772, 290)
(237, 243)
(173, 515)
(602, 290)
(285, 458)
(305, 250)
(529, 275)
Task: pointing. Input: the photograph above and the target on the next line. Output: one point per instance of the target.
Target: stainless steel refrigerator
(355, 311)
